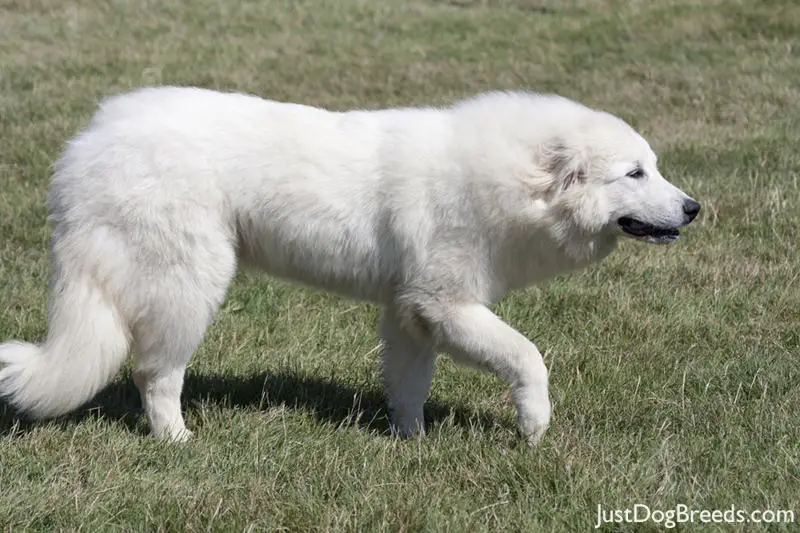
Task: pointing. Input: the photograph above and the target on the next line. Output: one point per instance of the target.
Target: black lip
(637, 228)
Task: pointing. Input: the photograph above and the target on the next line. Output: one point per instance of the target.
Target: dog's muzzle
(659, 234)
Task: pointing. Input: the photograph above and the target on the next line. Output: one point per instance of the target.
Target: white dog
(434, 213)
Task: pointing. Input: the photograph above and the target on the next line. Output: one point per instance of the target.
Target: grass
(674, 370)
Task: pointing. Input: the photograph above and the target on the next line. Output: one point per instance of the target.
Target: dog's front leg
(473, 335)
(408, 363)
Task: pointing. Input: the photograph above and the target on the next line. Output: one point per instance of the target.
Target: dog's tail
(86, 344)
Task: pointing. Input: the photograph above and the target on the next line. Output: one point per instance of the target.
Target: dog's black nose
(691, 208)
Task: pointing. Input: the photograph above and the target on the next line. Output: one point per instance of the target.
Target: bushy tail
(87, 342)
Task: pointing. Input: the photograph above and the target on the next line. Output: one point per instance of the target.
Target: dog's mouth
(648, 232)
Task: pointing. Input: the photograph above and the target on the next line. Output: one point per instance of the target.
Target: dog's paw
(533, 414)
(183, 435)
(407, 430)
(176, 435)
(532, 433)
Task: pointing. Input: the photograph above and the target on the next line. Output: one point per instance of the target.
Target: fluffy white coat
(434, 213)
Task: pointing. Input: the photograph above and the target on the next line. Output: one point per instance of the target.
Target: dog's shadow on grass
(329, 401)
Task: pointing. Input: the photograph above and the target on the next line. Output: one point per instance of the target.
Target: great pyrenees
(433, 213)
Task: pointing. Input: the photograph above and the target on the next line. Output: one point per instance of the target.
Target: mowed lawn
(675, 371)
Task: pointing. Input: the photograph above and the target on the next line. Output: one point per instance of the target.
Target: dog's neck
(526, 259)
(587, 249)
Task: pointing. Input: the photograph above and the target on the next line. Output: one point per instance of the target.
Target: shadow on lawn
(329, 401)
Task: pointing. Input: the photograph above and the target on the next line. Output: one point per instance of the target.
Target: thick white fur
(435, 213)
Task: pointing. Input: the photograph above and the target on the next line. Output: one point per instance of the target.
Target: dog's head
(607, 175)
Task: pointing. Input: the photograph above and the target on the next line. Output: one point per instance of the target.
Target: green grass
(675, 370)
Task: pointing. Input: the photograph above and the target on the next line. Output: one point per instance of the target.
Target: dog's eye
(636, 173)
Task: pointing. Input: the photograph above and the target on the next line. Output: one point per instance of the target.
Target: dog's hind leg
(475, 336)
(181, 307)
(408, 365)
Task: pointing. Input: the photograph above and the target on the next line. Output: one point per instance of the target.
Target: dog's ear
(563, 163)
